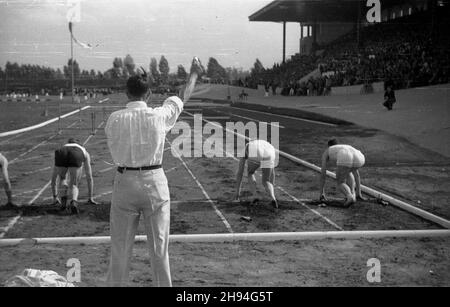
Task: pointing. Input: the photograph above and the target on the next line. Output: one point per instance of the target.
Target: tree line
(122, 68)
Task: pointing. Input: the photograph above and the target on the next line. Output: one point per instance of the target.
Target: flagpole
(71, 57)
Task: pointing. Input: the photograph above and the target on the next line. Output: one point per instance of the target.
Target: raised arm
(196, 71)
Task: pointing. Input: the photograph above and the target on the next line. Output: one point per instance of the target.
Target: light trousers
(136, 193)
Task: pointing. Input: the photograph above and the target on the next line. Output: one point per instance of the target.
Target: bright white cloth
(136, 135)
(260, 151)
(38, 278)
(346, 155)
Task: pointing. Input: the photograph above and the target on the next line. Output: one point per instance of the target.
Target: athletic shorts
(69, 157)
(349, 158)
(262, 153)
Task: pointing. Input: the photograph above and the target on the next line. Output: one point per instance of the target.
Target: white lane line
(281, 189)
(10, 225)
(27, 159)
(9, 140)
(252, 119)
(106, 170)
(175, 167)
(92, 135)
(26, 192)
(218, 212)
(286, 116)
(310, 209)
(39, 193)
(103, 194)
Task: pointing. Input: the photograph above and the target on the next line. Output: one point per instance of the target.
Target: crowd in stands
(80, 93)
(402, 51)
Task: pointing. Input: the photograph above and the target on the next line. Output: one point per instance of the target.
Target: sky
(36, 32)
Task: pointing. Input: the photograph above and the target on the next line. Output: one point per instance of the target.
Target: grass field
(203, 187)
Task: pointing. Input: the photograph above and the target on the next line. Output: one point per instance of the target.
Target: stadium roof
(310, 10)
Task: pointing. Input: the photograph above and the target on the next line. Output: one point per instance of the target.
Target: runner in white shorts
(348, 161)
(262, 154)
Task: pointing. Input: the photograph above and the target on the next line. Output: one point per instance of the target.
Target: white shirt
(136, 135)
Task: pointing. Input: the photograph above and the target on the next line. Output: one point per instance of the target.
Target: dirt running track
(393, 165)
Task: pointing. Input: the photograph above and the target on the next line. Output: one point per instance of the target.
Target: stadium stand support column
(314, 35)
(284, 42)
(358, 24)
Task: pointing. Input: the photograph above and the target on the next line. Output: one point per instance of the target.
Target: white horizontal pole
(43, 124)
(234, 237)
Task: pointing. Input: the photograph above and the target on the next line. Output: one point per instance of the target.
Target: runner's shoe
(274, 204)
(73, 207)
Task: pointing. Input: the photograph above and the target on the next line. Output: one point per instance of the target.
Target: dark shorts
(69, 157)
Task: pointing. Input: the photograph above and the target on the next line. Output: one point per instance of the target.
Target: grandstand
(407, 48)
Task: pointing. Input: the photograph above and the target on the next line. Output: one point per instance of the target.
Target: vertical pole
(314, 34)
(358, 24)
(284, 42)
(93, 123)
(6, 80)
(301, 38)
(434, 28)
(71, 59)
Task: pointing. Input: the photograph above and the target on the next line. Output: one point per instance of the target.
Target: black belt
(121, 169)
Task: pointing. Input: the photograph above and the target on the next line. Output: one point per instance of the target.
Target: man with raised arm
(136, 138)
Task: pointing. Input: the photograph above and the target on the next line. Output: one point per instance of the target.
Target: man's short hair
(332, 142)
(137, 86)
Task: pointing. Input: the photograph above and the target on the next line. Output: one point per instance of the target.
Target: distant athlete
(6, 182)
(389, 98)
(69, 162)
(258, 153)
(348, 161)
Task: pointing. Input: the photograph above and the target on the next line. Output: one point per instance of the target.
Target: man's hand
(56, 201)
(197, 67)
